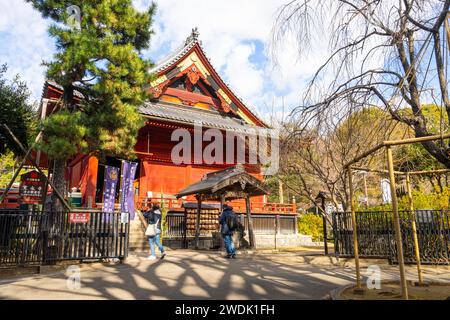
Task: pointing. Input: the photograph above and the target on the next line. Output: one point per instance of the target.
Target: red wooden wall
(157, 172)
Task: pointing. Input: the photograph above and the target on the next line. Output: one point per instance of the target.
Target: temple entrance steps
(138, 240)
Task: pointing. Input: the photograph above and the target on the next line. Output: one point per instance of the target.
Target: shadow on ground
(187, 275)
(194, 275)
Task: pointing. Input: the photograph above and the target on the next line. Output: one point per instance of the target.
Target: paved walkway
(197, 275)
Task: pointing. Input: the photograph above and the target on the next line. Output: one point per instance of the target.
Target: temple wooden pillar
(251, 235)
(197, 221)
(222, 203)
(89, 181)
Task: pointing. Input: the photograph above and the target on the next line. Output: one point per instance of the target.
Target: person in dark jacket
(226, 218)
(153, 216)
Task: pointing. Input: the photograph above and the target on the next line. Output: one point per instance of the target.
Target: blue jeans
(156, 240)
(229, 245)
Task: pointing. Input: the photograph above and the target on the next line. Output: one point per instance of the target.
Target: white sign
(124, 217)
(74, 18)
(386, 191)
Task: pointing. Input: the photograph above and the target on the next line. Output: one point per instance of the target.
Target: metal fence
(262, 224)
(33, 238)
(175, 225)
(376, 235)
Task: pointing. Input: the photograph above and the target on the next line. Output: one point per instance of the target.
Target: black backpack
(232, 221)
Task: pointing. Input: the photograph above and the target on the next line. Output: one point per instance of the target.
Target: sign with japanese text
(124, 217)
(79, 217)
(32, 185)
(127, 186)
(109, 188)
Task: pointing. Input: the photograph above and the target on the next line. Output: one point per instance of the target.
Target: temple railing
(174, 204)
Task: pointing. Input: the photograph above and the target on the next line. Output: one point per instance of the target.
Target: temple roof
(184, 114)
(232, 182)
(50, 82)
(191, 52)
(178, 53)
(228, 111)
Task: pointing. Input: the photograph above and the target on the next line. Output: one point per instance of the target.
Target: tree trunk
(59, 182)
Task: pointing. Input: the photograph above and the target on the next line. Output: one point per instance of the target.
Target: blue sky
(235, 34)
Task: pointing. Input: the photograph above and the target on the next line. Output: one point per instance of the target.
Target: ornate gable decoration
(188, 77)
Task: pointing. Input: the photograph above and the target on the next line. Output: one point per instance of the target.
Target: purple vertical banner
(109, 188)
(127, 187)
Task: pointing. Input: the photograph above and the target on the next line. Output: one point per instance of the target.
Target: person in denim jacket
(154, 216)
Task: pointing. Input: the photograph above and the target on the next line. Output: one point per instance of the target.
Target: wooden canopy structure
(224, 185)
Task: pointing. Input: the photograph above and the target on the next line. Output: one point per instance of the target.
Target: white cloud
(229, 31)
(24, 43)
(242, 73)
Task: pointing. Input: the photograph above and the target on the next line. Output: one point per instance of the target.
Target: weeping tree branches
(388, 53)
(313, 160)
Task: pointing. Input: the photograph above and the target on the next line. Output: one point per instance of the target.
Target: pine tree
(99, 57)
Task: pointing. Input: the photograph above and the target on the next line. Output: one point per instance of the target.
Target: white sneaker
(151, 258)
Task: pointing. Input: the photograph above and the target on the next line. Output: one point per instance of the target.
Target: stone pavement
(186, 274)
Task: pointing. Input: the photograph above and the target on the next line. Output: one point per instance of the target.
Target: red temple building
(187, 90)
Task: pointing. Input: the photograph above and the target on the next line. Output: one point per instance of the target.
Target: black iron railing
(376, 236)
(28, 238)
(175, 225)
(262, 224)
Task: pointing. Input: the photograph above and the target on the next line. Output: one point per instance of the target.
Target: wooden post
(296, 223)
(280, 191)
(197, 221)
(324, 223)
(277, 229)
(414, 228)
(43, 114)
(222, 203)
(16, 173)
(294, 205)
(365, 190)
(355, 233)
(33, 162)
(251, 235)
(398, 235)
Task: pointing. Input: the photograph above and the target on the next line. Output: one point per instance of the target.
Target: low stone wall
(262, 241)
(282, 241)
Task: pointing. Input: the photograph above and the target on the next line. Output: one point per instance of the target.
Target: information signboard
(32, 185)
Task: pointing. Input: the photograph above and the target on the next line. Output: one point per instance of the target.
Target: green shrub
(421, 200)
(432, 200)
(311, 224)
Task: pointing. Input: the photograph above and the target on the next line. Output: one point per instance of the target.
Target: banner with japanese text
(110, 187)
(127, 187)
